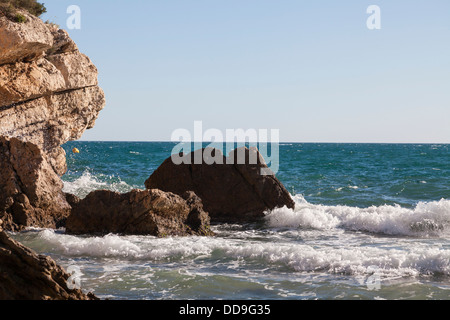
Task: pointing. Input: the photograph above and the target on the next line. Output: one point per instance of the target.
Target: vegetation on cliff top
(9, 8)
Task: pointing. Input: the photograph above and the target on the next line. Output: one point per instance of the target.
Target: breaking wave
(87, 183)
(426, 219)
(407, 260)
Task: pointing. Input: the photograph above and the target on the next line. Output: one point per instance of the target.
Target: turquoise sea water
(372, 221)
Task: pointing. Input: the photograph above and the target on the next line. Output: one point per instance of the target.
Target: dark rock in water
(139, 212)
(72, 199)
(231, 191)
(31, 191)
(25, 275)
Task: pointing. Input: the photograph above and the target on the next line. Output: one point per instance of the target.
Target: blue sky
(311, 69)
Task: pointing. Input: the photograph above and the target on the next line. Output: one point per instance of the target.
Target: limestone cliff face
(49, 95)
(49, 92)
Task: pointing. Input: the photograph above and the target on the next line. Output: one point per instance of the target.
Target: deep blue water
(359, 175)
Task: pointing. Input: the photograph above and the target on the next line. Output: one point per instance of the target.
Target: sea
(371, 222)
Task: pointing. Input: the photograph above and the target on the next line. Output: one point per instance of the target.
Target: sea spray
(426, 219)
(88, 182)
(199, 253)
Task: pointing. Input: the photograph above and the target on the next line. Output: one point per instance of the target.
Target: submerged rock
(229, 192)
(25, 275)
(139, 212)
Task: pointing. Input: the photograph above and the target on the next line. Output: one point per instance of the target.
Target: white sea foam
(87, 183)
(107, 246)
(350, 260)
(309, 239)
(403, 261)
(426, 219)
(347, 187)
(128, 247)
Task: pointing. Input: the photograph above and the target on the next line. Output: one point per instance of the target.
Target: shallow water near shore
(371, 222)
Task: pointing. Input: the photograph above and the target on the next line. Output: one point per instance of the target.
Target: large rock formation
(49, 95)
(139, 212)
(237, 192)
(30, 189)
(25, 275)
(49, 91)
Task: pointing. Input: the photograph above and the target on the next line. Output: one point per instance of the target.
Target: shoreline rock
(31, 192)
(231, 193)
(49, 95)
(139, 212)
(25, 275)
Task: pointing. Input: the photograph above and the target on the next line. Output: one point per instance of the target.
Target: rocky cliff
(49, 95)
(49, 92)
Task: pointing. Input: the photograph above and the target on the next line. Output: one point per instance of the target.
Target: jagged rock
(25, 275)
(29, 80)
(31, 192)
(229, 192)
(23, 41)
(139, 212)
(72, 199)
(52, 120)
(76, 68)
(49, 95)
(62, 43)
(49, 91)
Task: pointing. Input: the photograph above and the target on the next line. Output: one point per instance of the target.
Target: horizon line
(281, 142)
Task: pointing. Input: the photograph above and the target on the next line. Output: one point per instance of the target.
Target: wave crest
(361, 260)
(87, 183)
(426, 219)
